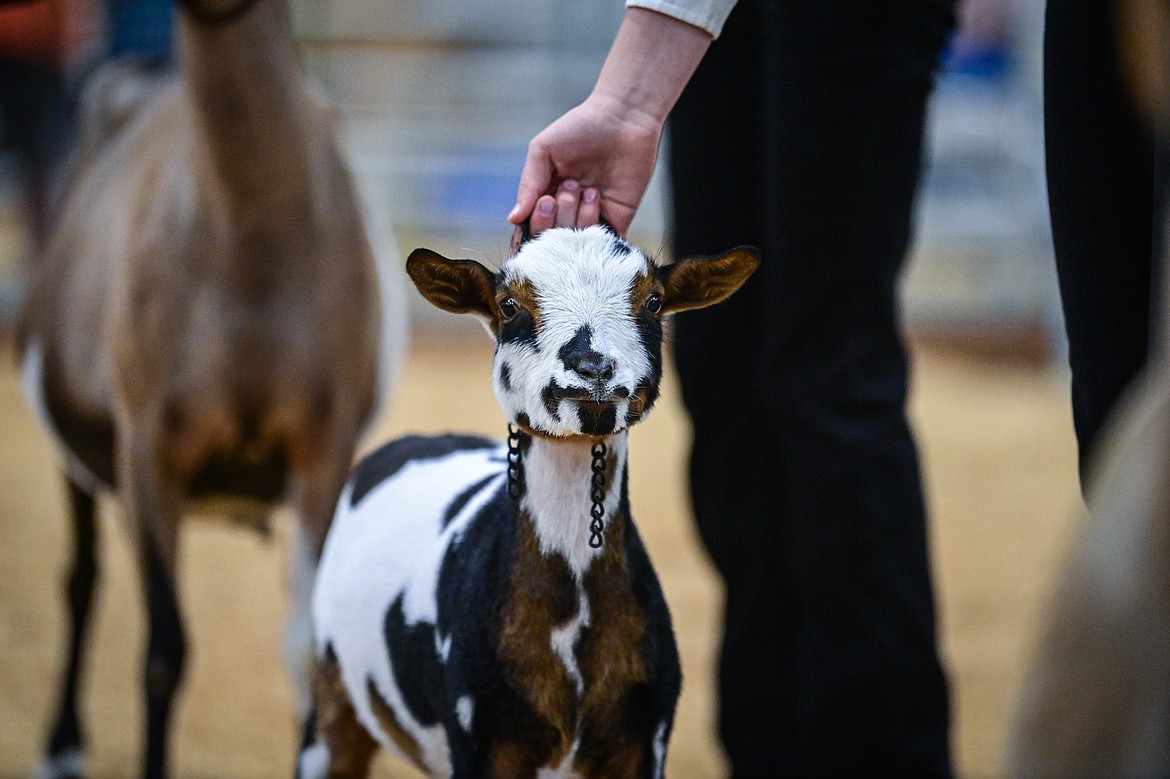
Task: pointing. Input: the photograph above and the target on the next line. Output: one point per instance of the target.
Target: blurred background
(439, 99)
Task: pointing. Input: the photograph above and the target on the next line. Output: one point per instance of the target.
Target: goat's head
(577, 317)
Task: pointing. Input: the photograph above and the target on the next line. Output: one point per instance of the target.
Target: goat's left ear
(458, 286)
(698, 282)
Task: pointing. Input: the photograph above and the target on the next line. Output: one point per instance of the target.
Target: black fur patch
(579, 347)
(551, 395)
(235, 474)
(383, 463)
(521, 329)
(462, 498)
(506, 376)
(650, 334)
(620, 247)
(596, 418)
(417, 669)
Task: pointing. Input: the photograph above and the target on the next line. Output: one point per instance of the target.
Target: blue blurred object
(990, 60)
(140, 29)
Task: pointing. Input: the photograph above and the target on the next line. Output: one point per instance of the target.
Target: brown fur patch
(350, 747)
(611, 662)
(703, 281)
(638, 402)
(643, 286)
(609, 655)
(458, 286)
(527, 618)
(389, 722)
(525, 294)
(509, 760)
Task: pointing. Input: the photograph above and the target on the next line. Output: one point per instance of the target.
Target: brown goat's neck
(250, 103)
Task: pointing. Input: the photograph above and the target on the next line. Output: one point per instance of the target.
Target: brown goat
(1096, 699)
(205, 324)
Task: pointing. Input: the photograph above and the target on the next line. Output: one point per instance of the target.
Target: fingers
(571, 206)
(544, 215)
(590, 211)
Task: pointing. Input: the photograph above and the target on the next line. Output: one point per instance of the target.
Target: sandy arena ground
(999, 464)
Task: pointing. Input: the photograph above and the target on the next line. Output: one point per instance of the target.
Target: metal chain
(596, 525)
(514, 474)
(597, 483)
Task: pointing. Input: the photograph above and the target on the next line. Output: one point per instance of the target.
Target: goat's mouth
(597, 417)
(597, 394)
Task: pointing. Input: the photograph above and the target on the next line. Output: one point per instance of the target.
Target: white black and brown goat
(205, 324)
(484, 609)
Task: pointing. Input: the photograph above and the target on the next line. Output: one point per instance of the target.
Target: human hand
(593, 163)
(608, 145)
(571, 206)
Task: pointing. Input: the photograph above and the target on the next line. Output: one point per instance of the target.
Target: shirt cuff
(709, 15)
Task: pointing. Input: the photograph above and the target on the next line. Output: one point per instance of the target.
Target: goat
(1095, 699)
(206, 324)
(488, 610)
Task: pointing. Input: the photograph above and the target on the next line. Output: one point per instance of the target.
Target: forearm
(649, 64)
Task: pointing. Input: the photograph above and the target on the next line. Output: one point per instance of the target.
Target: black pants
(801, 134)
(1101, 195)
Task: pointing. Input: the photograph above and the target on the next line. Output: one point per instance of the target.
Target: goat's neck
(250, 105)
(558, 479)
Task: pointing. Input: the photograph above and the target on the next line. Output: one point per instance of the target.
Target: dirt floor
(1000, 472)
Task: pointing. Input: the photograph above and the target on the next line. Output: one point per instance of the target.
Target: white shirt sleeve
(707, 14)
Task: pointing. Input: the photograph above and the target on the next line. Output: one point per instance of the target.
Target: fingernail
(570, 185)
(590, 195)
(515, 210)
(545, 207)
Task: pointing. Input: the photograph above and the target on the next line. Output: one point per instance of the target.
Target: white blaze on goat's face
(579, 349)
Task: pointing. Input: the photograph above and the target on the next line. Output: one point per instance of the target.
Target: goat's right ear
(458, 286)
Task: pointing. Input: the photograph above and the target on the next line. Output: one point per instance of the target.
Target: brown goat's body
(206, 318)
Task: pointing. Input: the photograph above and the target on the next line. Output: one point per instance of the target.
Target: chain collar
(597, 495)
(596, 482)
(514, 472)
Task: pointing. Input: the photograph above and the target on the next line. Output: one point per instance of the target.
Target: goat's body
(488, 611)
(240, 370)
(205, 322)
(475, 634)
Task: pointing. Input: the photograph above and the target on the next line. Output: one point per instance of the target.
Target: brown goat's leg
(63, 755)
(154, 516)
(319, 484)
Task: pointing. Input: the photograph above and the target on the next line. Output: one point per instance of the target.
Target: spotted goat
(484, 609)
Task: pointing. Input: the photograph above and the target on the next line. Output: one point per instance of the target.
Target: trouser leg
(804, 473)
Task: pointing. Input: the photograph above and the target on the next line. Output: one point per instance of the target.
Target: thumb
(535, 180)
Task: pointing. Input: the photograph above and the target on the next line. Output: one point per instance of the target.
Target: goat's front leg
(153, 508)
(63, 756)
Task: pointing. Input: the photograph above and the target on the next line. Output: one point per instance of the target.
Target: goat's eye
(653, 303)
(509, 308)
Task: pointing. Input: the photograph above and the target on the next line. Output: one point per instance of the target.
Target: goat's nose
(593, 366)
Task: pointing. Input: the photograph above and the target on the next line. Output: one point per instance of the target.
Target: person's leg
(1101, 193)
(804, 474)
(34, 122)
